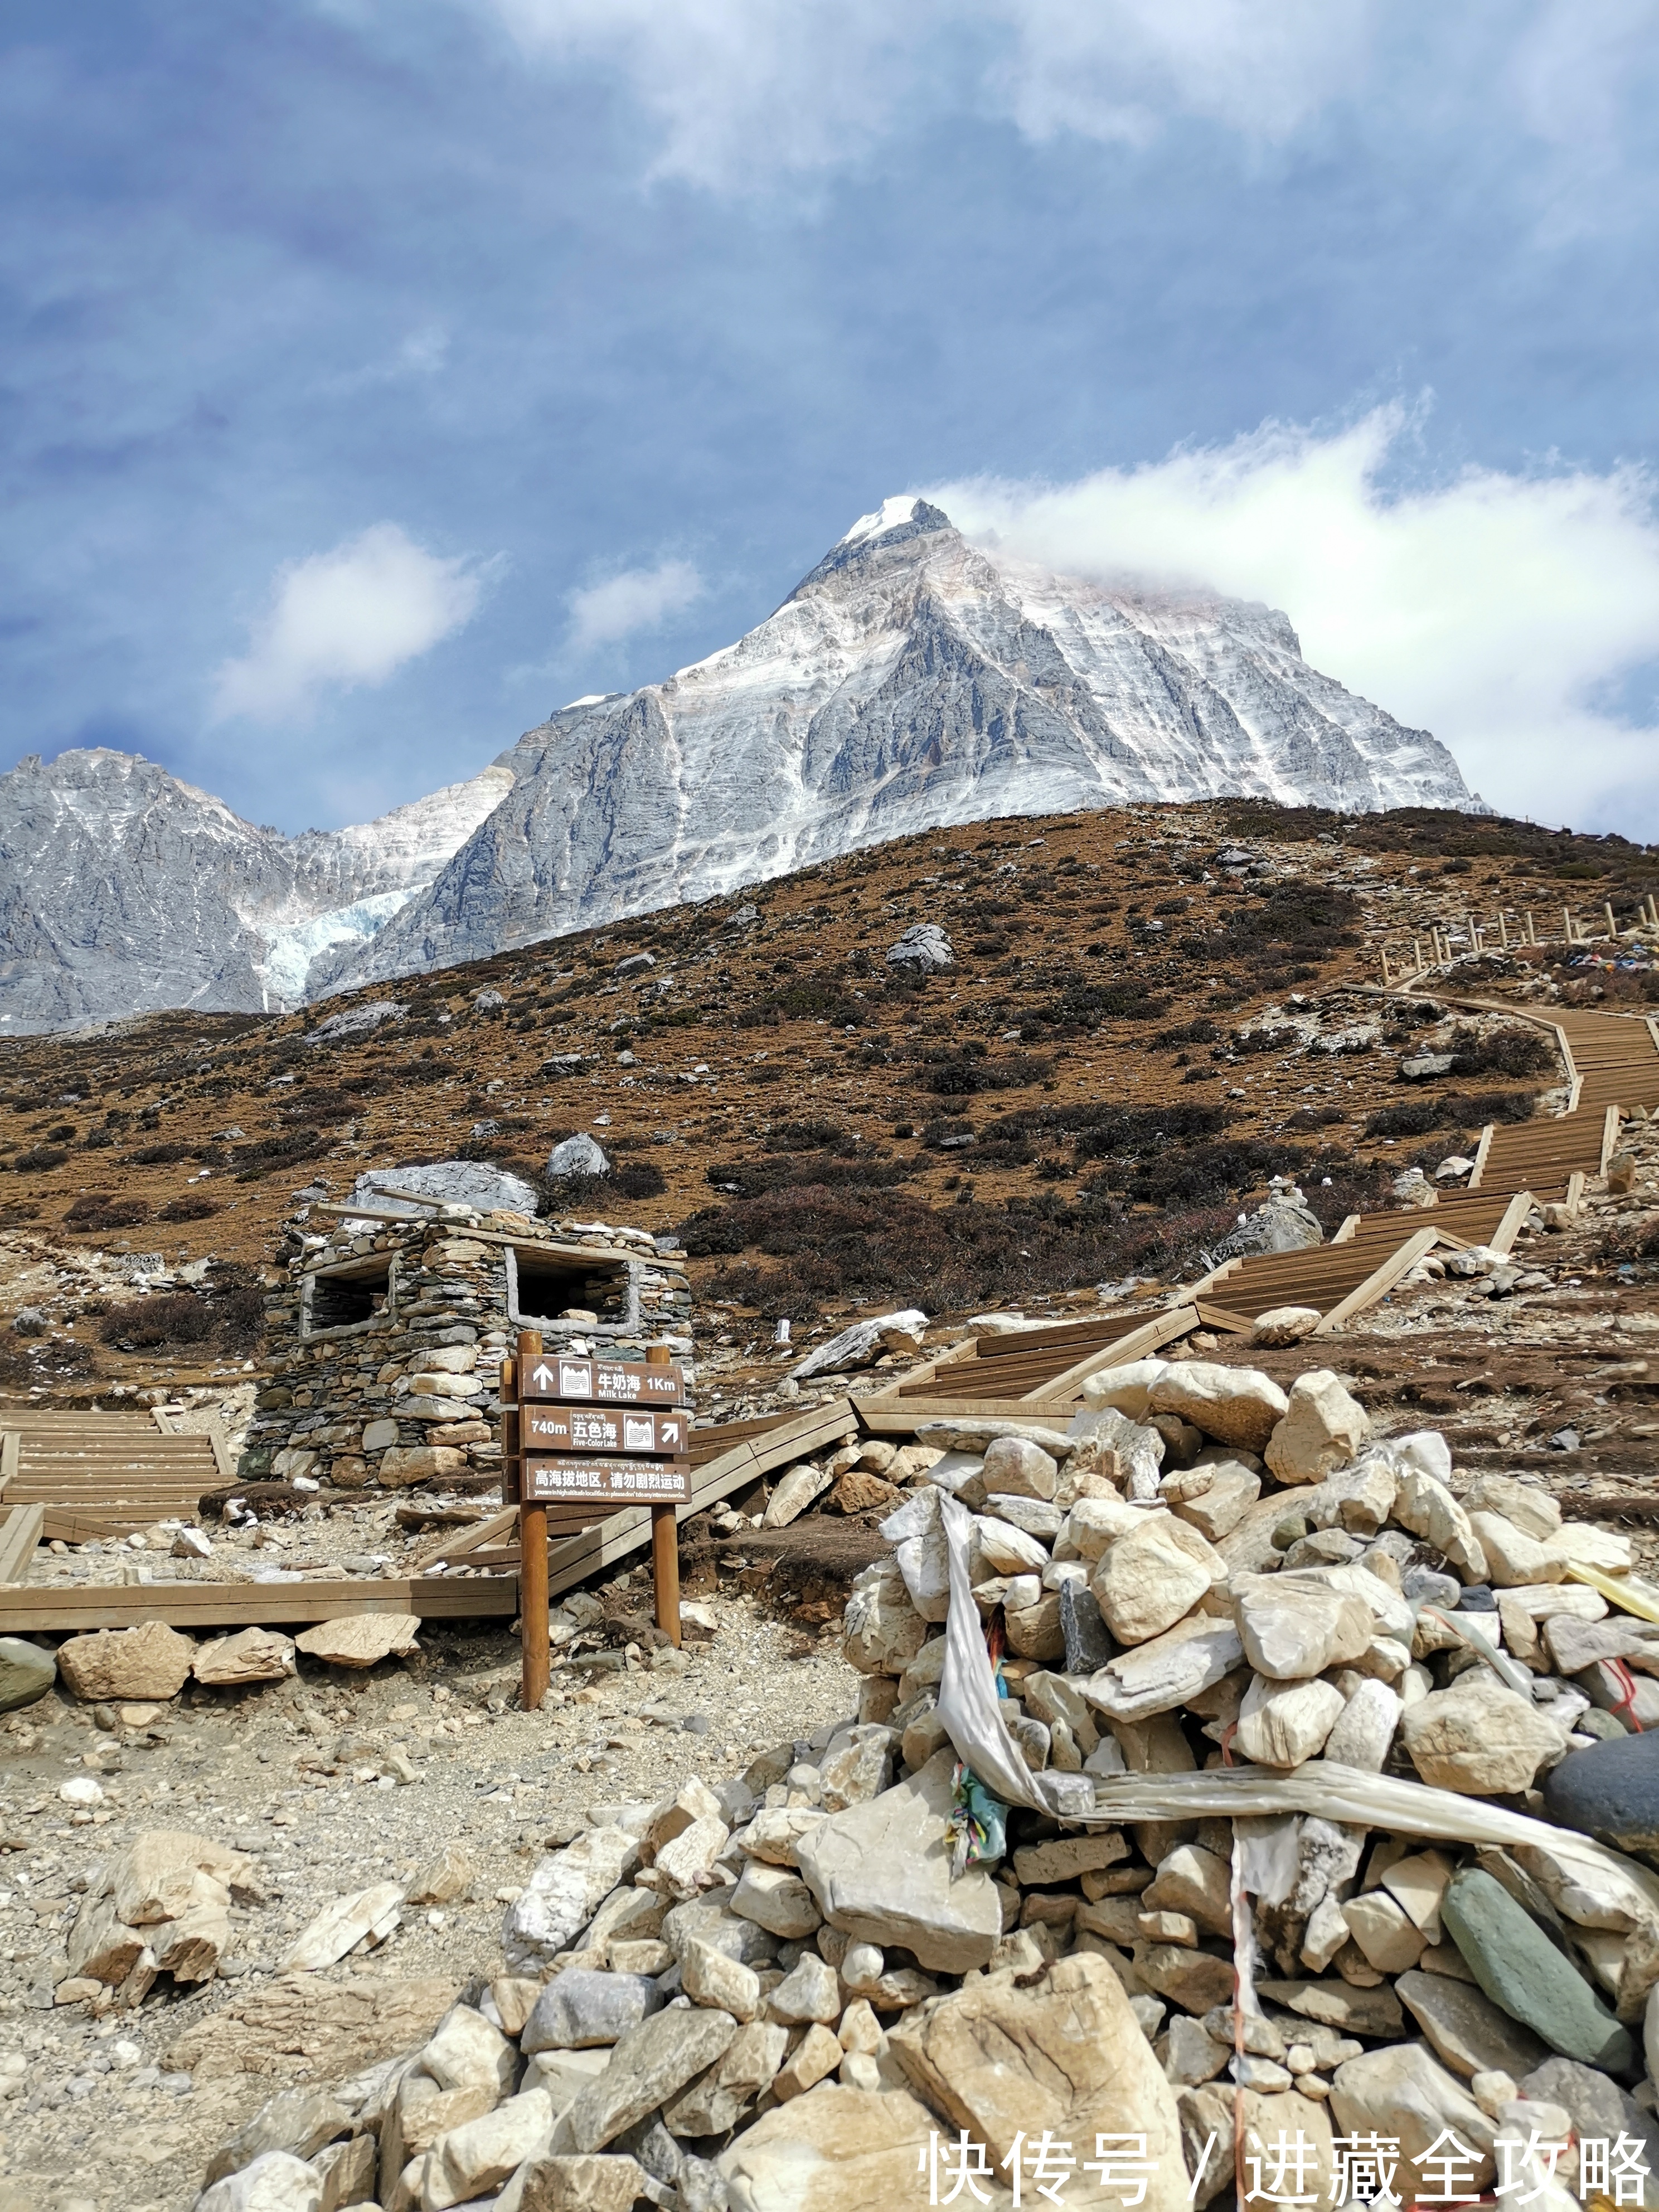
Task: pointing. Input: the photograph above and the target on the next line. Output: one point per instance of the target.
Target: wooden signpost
(592, 1432)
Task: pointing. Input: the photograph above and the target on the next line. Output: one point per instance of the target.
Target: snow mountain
(912, 681)
(126, 891)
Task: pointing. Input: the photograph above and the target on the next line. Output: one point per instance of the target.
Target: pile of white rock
(788, 1993)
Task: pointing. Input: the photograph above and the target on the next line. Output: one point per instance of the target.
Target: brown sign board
(545, 1428)
(610, 1482)
(601, 1382)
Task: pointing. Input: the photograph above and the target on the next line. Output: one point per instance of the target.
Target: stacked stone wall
(411, 1394)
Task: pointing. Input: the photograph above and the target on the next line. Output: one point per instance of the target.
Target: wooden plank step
(904, 1420)
(21, 1533)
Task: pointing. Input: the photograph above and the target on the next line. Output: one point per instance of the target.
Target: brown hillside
(1132, 1039)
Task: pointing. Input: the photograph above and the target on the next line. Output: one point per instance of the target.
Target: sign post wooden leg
(665, 1544)
(532, 1543)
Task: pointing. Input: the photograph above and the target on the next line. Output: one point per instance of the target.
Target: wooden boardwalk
(724, 1458)
(1610, 1062)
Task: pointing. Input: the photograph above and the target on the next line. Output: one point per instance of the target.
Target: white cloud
(741, 93)
(746, 89)
(1114, 70)
(1498, 611)
(638, 598)
(347, 617)
(740, 89)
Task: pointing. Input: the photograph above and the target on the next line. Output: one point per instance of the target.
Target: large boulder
(881, 1874)
(861, 1342)
(469, 2161)
(1127, 1387)
(277, 2182)
(1324, 1427)
(1146, 1579)
(1237, 1406)
(470, 1183)
(838, 2150)
(1478, 1738)
(1066, 2055)
(1282, 1724)
(1290, 1628)
(1405, 2095)
(580, 1155)
(923, 948)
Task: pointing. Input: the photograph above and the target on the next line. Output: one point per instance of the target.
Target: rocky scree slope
(124, 891)
(912, 681)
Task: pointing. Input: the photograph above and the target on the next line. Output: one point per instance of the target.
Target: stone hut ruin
(386, 1341)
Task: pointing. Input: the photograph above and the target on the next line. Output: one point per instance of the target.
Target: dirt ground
(93, 2117)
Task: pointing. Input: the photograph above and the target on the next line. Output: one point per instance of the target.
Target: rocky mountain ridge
(125, 891)
(912, 681)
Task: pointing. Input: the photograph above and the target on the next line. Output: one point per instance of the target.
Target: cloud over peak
(1504, 612)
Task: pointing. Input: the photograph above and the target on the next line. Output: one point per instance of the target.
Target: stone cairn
(843, 1979)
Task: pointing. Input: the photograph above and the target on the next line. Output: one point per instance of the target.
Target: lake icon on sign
(575, 1379)
(638, 1436)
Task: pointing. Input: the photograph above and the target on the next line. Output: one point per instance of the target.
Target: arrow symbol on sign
(543, 1375)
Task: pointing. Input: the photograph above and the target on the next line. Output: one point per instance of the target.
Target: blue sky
(380, 374)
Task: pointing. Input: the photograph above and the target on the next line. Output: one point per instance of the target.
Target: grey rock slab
(563, 1893)
(881, 1873)
(298, 2121)
(588, 2182)
(1466, 2029)
(1341, 2005)
(710, 1920)
(1597, 2106)
(451, 1183)
(648, 2068)
(719, 2099)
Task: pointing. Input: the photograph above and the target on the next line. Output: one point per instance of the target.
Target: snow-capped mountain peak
(912, 680)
